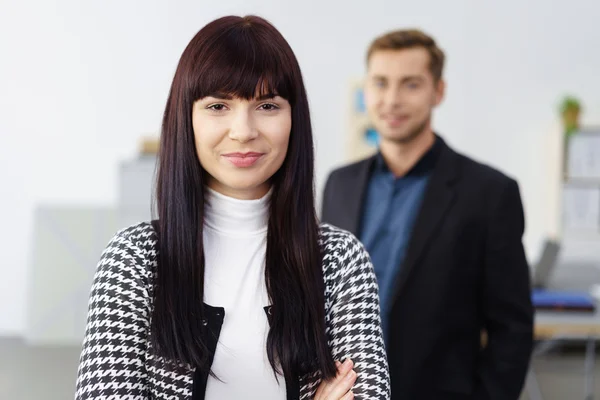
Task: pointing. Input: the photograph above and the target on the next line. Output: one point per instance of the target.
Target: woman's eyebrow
(267, 96)
(221, 96)
(226, 96)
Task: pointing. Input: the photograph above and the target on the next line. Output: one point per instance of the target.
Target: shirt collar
(422, 167)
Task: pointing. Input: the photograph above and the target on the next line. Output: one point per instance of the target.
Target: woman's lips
(243, 160)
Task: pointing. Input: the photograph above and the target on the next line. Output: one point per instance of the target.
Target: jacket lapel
(354, 194)
(437, 200)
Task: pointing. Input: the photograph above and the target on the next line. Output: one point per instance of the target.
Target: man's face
(400, 93)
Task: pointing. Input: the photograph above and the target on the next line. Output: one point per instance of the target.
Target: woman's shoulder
(131, 251)
(343, 255)
(142, 235)
(336, 242)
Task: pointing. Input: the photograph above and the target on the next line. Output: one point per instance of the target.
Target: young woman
(236, 291)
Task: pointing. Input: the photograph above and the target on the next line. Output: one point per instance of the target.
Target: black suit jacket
(464, 270)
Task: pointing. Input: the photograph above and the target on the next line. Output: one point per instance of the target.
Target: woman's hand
(339, 387)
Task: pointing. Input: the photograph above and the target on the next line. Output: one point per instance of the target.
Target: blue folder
(559, 300)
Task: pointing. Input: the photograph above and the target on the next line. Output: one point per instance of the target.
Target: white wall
(80, 82)
(523, 57)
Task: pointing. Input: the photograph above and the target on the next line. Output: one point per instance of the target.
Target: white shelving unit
(581, 187)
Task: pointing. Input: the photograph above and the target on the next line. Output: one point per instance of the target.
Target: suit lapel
(354, 195)
(437, 200)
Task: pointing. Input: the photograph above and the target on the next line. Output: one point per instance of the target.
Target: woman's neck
(236, 216)
(241, 194)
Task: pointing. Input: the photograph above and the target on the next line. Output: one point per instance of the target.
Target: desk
(553, 327)
(549, 325)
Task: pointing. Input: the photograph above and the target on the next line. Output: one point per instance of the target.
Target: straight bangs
(243, 65)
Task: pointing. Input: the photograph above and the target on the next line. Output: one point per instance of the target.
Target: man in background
(445, 236)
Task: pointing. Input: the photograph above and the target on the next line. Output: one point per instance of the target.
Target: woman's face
(241, 143)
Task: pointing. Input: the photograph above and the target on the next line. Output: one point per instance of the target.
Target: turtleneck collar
(234, 216)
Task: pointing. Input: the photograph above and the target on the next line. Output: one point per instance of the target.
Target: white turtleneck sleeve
(235, 239)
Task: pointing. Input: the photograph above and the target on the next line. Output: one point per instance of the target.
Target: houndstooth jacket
(118, 362)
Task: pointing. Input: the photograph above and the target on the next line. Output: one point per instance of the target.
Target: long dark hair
(238, 56)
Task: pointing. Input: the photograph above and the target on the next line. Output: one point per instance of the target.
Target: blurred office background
(83, 83)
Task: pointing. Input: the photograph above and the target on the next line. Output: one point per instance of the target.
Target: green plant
(570, 108)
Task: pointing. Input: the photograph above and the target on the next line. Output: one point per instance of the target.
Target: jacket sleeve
(354, 322)
(112, 362)
(507, 305)
(326, 200)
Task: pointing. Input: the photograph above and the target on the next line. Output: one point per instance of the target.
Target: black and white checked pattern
(117, 361)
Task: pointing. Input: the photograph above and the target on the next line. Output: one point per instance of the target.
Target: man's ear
(440, 92)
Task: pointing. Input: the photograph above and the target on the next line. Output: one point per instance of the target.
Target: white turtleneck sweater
(235, 240)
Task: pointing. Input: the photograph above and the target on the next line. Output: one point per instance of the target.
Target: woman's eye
(217, 107)
(269, 107)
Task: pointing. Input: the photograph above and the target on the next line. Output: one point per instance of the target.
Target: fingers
(342, 383)
(344, 367)
(338, 387)
(348, 396)
(320, 393)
